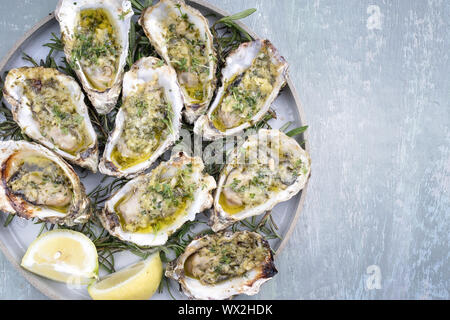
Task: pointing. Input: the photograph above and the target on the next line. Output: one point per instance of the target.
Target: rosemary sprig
(228, 35)
(140, 5)
(264, 225)
(296, 131)
(49, 61)
(9, 129)
(139, 45)
(8, 220)
(55, 43)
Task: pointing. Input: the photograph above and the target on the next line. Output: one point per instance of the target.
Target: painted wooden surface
(373, 77)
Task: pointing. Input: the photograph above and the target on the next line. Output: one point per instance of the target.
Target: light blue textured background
(373, 78)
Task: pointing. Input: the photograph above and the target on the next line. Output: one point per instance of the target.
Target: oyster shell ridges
(79, 210)
(22, 113)
(150, 21)
(121, 13)
(237, 63)
(248, 284)
(202, 200)
(220, 219)
(144, 71)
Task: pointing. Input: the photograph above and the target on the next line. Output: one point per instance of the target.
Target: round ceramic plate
(15, 238)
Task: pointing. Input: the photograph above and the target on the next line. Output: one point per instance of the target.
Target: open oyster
(251, 80)
(221, 265)
(49, 108)
(182, 37)
(95, 36)
(149, 208)
(37, 183)
(267, 169)
(148, 122)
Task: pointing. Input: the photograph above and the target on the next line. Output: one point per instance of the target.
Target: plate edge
(43, 288)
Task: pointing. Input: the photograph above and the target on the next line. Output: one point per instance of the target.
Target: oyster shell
(149, 208)
(267, 169)
(251, 80)
(36, 183)
(95, 35)
(49, 108)
(221, 265)
(149, 121)
(181, 36)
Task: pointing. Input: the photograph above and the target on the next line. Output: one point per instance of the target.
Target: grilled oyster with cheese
(267, 169)
(149, 121)
(221, 265)
(251, 80)
(95, 36)
(36, 183)
(149, 208)
(49, 108)
(182, 38)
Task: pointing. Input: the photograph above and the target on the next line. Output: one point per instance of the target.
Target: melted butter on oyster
(36, 183)
(186, 50)
(151, 207)
(49, 107)
(96, 47)
(95, 34)
(40, 181)
(268, 168)
(148, 123)
(181, 36)
(55, 111)
(246, 93)
(249, 185)
(251, 80)
(224, 258)
(224, 264)
(158, 201)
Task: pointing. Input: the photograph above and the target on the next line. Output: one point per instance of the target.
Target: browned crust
(18, 204)
(25, 210)
(194, 108)
(15, 105)
(110, 220)
(267, 269)
(90, 91)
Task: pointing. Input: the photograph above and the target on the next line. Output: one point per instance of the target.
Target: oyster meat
(251, 80)
(182, 38)
(149, 208)
(49, 108)
(149, 121)
(96, 40)
(221, 265)
(37, 183)
(268, 168)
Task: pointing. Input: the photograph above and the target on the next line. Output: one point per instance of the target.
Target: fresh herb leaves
(297, 131)
(228, 35)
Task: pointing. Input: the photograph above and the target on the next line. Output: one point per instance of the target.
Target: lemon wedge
(63, 255)
(136, 282)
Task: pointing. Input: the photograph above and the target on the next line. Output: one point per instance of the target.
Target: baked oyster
(221, 265)
(149, 208)
(149, 121)
(95, 35)
(49, 108)
(268, 168)
(36, 183)
(181, 36)
(251, 80)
